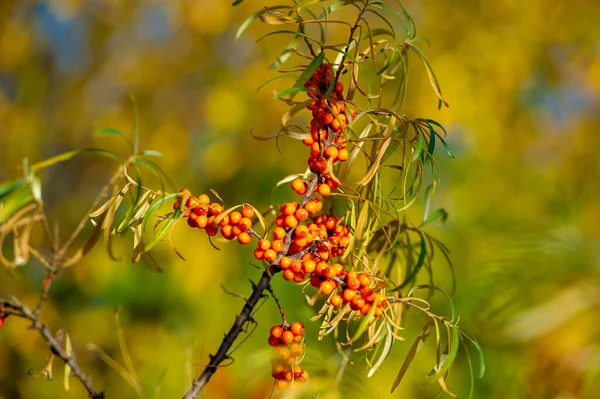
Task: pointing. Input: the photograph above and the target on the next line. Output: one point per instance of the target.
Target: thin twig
(54, 344)
(285, 323)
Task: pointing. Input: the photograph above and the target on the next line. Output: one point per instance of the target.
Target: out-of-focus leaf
(364, 323)
(8, 187)
(286, 54)
(152, 153)
(440, 213)
(479, 351)
(418, 266)
(70, 154)
(411, 353)
(448, 359)
(109, 131)
(69, 351)
(306, 75)
(14, 201)
(156, 205)
(36, 187)
(432, 78)
(380, 153)
(419, 148)
(387, 347)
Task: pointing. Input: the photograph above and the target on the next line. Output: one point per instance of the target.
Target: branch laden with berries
(355, 243)
(348, 239)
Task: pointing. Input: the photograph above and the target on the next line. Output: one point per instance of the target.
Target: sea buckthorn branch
(20, 310)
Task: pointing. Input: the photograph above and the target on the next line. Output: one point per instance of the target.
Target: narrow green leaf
(15, 201)
(157, 205)
(65, 156)
(8, 187)
(286, 54)
(109, 131)
(440, 213)
(411, 354)
(448, 360)
(419, 148)
(418, 265)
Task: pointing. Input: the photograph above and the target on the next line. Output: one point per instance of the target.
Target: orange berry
(365, 280)
(287, 337)
(276, 331)
(325, 118)
(201, 209)
(296, 266)
(315, 281)
(176, 205)
(259, 253)
(291, 221)
(224, 221)
(226, 231)
(352, 283)
(278, 233)
(244, 238)
(211, 229)
(331, 152)
(326, 287)
(324, 189)
(270, 255)
(201, 221)
(234, 217)
(336, 300)
(236, 230)
(288, 208)
(297, 328)
(298, 338)
(203, 198)
(245, 223)
(288, 275)
(301, 214)
(342, 155)
(248, 211)
(357, 302)
(365, 309)
(329, 272)
(301, 242)
(277, 245)
(299, 186)
(264, 244)
(308, 141)
(301, 231)
(311, 207)
(215, 208)
(280, 221)
(309, 266)
(320, 267)
(192, 222)
(285, 262)
(348, 295)
(296, 350)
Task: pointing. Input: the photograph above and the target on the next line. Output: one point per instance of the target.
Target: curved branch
(53, 343)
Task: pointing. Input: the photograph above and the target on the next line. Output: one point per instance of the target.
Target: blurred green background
(523, 83)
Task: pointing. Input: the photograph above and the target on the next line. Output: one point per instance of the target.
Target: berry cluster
(287, 355)
(330, 119)
(304, 239)
(202, 214)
